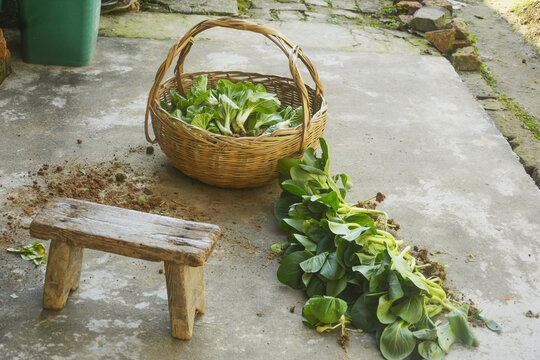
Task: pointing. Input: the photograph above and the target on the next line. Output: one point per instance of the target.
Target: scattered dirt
(149, 150)
(529, 20)
(380, 197)
(433, 268)
(113, 183)
(120, 177)
(270, 255)
(393, 224)
(291, 309)
(530, 314)
(367, 205)
(524, 15)
(343, 340)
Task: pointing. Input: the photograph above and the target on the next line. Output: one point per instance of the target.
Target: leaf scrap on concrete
(35, 252)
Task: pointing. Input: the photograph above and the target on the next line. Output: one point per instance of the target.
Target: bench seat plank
(125, 232)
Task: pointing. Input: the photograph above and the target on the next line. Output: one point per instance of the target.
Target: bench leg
(63, 274)
(185, 291)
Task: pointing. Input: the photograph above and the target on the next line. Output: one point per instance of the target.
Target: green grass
(389, 10)
(392, 22)
(333, 20)
(274, 14)
(487, 75)
(244, 6)
(520, 6)
(529, 121)
(386, 18)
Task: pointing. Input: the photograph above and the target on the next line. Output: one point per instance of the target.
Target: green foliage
(364, 21)
(231, 109)
(490, 324)
(353, 270)
(528, 120)
(274, 14)
(389, 10)
(387, 18)
(487, 75)
(35, 252)
(244, 6)
(290, 272)
(333, 20)
(323, 310)
(430, 350)
(397, 341)
(522, 5)
(460, 326)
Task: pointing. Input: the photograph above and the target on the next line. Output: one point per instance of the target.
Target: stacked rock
(449, 35)
(5, 58)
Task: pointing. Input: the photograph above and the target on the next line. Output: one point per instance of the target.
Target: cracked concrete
(399, 122)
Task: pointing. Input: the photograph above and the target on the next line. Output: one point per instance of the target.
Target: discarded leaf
(490, 324)
(15, 296)
(493, 326)
(142, 198)
(35, 252)
(82, 171)
(278, 247)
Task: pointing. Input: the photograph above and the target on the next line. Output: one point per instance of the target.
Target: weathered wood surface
(125, 232)
(185, 292)
(63, 274)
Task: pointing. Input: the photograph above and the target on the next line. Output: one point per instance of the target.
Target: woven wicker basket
(235, 162)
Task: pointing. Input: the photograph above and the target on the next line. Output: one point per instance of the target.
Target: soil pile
(114, 183)
(529, 19)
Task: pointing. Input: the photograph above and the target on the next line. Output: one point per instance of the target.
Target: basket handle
(182, 47)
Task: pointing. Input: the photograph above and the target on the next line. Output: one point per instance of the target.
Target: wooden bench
(184, 246)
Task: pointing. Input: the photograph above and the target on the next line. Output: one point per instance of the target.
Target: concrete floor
(403, 124)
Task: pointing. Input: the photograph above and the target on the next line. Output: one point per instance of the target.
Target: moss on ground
(529, 121)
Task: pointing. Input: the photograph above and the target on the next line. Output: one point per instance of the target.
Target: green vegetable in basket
(226, 112)
(198, 88)
(232, 109)
(261, 102)
(178, 101)
(201, 120)
(291, 119)
(261, 120)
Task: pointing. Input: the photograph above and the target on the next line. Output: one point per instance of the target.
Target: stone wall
(5, 58)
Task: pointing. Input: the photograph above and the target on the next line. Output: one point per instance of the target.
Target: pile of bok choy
(233, 109)
(355, 273)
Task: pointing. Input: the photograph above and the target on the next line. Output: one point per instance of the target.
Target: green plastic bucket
(59, 32)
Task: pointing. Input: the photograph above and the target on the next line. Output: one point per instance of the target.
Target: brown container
(235, 162)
